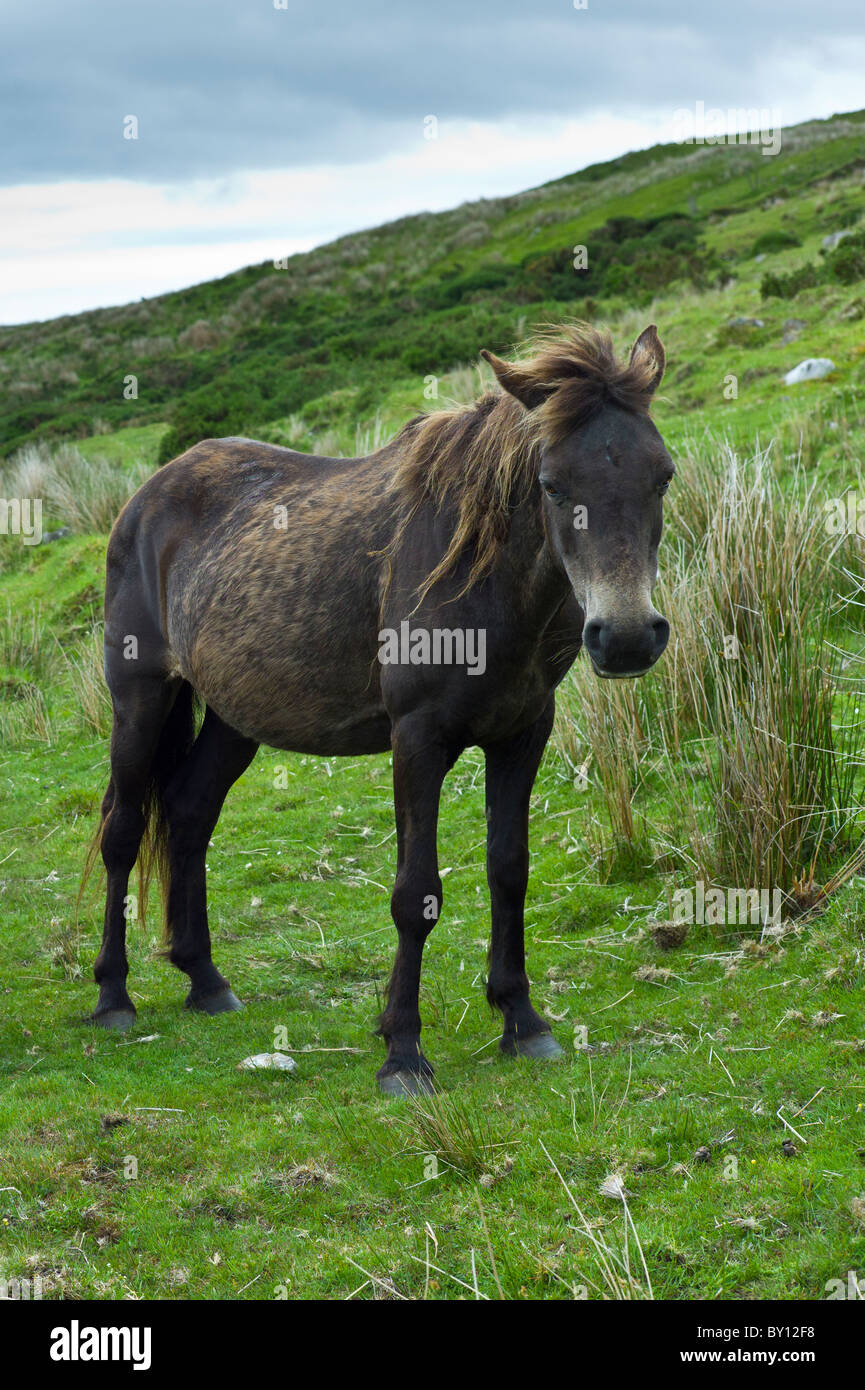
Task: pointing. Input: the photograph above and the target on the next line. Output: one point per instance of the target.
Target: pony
(267, 586)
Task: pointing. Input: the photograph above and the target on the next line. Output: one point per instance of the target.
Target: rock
(614, 1186)
(810, 370)
(268, 1061)
(831, 241)
(795, 323)
(761, 257)
(745, 323)
(56, 535)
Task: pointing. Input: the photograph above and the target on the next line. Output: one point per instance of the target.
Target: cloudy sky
(270, 126)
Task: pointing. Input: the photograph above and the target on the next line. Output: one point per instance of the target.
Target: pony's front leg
(420, 763)
(511, 768)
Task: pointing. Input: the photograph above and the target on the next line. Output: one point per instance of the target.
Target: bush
(847, 262)
(788, 286)
(774, 240)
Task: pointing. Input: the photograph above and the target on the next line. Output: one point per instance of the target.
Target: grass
(84, 492)
(149, 1166)
(451, 1132)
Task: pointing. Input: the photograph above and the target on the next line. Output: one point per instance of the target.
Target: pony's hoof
(539, 1045)
(224, 1001)
(406, 1083)
(118, 1020)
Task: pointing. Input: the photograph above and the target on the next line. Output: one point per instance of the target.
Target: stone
(831, 241)
(812, 369)
(268, 1061)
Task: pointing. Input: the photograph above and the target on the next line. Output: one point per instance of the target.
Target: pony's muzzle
(618, 650)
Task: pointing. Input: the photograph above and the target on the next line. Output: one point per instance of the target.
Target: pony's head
(602, 471)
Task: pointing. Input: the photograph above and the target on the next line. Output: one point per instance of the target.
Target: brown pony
(424, 599)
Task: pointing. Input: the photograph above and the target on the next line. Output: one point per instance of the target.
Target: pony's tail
(175, 741)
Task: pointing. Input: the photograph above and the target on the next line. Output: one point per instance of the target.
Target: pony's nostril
(592, 635)
(661, 629)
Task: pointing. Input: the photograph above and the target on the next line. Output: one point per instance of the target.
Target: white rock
(831, 241)
(614, 1186)
(268, 1061)
(810, 370)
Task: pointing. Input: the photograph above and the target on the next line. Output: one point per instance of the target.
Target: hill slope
(675, 231)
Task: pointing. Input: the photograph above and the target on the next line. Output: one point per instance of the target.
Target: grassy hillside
(709, 1118)
(362, 322)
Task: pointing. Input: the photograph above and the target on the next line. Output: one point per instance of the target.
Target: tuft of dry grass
(26, 644)
(369, 438)
(26, 716)
(63, 948)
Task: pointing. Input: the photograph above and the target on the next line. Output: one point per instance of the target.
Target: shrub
(847, 262)
(774, 240)
(199, 336)
(805, 277)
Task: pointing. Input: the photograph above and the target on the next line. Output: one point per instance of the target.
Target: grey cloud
(220, 85)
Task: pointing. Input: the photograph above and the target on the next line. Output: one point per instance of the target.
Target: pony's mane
(481, 458)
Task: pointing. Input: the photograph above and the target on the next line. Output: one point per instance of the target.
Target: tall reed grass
(85, 494)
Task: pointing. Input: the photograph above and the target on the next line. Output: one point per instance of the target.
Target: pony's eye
(664, 487)
(552, 492)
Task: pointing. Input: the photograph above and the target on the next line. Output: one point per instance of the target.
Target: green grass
(300, 1182)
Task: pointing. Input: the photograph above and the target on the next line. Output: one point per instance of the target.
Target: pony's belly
(306, 717)
(367, 734)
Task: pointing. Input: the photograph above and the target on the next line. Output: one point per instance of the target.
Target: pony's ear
(517, 381)
(649, 345)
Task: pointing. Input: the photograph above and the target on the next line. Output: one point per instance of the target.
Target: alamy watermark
(702, 906)
(16, 1290)
(77, 1343)
(845, 516)
(735, 126)
(437, 646)
(22, 516)
(850, 1288)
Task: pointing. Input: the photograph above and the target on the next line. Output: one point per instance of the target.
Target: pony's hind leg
(192, 802)
(141, 708)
